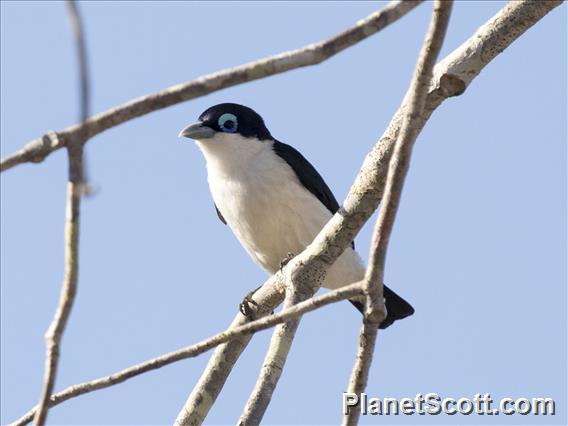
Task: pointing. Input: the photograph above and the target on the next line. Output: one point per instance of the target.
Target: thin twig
(75, 188)
(77, 26)
(212, 380)
(69, 288)
(400, 159)
(84, 85)
(299, 287)
(313, 54)
(194, 350)
(398, 168)
(451, 78)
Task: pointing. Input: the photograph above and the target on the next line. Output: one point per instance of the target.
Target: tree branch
(37, 150)
(75, 187)
(451, 78)
(231, 334)
(398, 168)
(221, 363)
(298, 288)
(69, 288)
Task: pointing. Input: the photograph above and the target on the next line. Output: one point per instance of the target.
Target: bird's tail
(397, 307)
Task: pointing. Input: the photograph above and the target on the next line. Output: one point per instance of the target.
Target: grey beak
(197, 131)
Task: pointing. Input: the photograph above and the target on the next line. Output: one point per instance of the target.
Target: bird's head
(226, 122)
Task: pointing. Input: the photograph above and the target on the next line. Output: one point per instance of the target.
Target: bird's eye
(228, 123)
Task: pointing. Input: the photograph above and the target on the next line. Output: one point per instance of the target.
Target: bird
(272, 198)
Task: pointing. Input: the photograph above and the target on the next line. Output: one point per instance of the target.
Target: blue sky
(479, 245)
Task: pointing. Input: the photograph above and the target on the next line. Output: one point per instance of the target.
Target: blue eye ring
(228, 123)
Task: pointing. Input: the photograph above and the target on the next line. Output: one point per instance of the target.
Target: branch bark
(69, 289)
(221, 363)
(451, 78)
(398, 168)
(37, 150)
(299, 287)
(75, 188)
(233, 333)
(298, 291)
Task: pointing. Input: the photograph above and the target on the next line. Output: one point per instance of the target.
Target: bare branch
(400, 160)
(451, 77)
(69, 288)
(398, 168)
(84, 90)
(77, 27)
(225, 356)
(55, 332)
(313, 54)
(297, 290)
(231, 334)
(75, 189)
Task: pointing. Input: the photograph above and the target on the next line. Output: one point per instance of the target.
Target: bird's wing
(308, 176)
(220, 215)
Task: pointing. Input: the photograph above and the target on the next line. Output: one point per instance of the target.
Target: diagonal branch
(299, 287)
(451, 78)
(203, 395)
(398, 168)
(313, 54)
(298, 291)
(231, 334)
(75, 187)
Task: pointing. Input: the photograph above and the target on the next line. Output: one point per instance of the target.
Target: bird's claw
(245, 306)
(286, 260)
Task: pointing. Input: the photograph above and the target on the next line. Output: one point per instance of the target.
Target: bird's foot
(246, 306)
(286, 260)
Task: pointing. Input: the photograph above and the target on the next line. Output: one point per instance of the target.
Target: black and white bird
(272, 198)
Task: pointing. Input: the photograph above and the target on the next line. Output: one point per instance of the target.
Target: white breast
(266, 206)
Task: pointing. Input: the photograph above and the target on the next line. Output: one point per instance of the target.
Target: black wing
(308, 176)
(220, 215)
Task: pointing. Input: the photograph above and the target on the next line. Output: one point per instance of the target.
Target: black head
(228, 118)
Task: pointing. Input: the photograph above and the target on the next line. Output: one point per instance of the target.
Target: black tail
(397, 307)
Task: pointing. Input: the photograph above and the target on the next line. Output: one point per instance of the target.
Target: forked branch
(451, 77)
(37, 150)
(231, 334)
(75, 190)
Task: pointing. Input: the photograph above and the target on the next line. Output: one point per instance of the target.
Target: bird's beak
(197, 131)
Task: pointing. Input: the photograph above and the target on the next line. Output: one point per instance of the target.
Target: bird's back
(270, 195)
